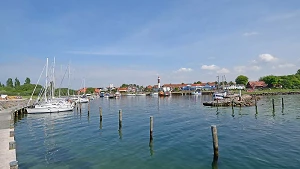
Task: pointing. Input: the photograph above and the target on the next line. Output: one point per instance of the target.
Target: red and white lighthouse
(158, 82)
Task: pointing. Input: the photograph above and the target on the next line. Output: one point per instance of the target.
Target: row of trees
(17, 83)
(14, 88)
(285, 81)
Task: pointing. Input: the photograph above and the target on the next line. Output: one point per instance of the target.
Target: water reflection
(214, 164)
(151, 148)
(120, 134)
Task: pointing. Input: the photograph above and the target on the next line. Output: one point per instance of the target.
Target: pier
(9, 109)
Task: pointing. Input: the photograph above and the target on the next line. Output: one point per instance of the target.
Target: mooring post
(282, 103)
(232, 104)
(12, 145)
(151, 128)
(255, 104)
(273, 104)
(100, 111)
(11, 133)
(80, 107)
(77, 105)
(215, 141)
(13, 165)
(120, 119)
(89, 108)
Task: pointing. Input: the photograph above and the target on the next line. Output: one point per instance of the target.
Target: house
(122, 89)
(256, 84)
(174, 86)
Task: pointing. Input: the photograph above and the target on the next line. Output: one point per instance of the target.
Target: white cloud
(240, 69)
(256, 68)
(250, 33)
(223, 70)
(209, 67)
(286, 65)
(267, 58)
(184, 70)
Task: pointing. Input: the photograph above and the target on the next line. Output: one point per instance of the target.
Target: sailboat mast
(46, 85)
(69, 80)
(84, 86)
(53, 79)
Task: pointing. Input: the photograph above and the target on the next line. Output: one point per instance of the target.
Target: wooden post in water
(255, 104)
(282, 103)
(215, 141)
(80, 107)
(89, 108)
(77, 106)
(100, 111)
(151, 128)
(120, 119)
(273, 105)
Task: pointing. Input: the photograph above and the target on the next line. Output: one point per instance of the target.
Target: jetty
(234, 100)
(8, 110)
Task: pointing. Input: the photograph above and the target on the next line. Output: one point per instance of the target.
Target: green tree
(298, 72)
(231, 83)
(271, 80)
(27, 80)
(17, 82)
(9, 83)
(241, 79)
(198, 82)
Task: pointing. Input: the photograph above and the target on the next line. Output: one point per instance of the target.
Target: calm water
(182, 136)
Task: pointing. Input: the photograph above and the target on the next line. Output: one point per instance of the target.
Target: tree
(27, 80)
(271, 80)
(17, 82)
(231, 83)
(9, 83)
(198, 82)
(298, 72)
(241, 79)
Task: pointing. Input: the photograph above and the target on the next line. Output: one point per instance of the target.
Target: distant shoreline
(273, 93)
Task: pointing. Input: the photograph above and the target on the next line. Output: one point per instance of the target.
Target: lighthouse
(158, 82)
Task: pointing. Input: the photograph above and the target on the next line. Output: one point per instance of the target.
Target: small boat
(117, 94)
(219, 96)
(164, 93)
(129, 94)
(154, 94)
(140, 94)
(196, 92)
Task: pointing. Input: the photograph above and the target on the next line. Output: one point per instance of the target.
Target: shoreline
(272, 93)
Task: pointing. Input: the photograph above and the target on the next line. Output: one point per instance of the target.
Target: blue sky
(134, 41)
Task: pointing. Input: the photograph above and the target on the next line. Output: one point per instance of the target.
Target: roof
(123, 89)
(257, 83)
(174, 85)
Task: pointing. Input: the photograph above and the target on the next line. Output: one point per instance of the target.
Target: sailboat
(49, 105)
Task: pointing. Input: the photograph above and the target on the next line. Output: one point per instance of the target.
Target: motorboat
(219, 96)
(196, 92)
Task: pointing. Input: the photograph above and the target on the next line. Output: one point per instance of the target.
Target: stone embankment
(274, 93)
(234, 100)
(6, 104)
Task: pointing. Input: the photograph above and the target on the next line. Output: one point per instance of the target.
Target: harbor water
(182, 135)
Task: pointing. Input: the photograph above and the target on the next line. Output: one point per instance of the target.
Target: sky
(134, 41)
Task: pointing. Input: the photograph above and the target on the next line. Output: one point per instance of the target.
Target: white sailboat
(50, 105)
